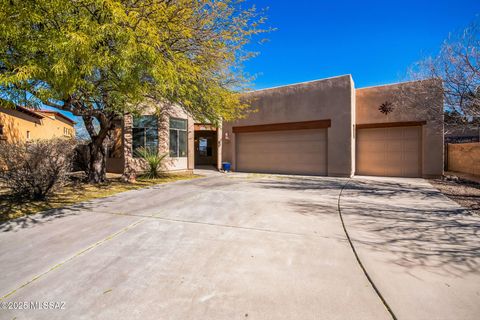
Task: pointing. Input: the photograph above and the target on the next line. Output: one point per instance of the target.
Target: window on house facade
(28, 135)
(1, 131)
(178, 138)
(145, 133)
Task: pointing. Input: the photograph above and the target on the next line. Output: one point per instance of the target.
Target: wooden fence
(464, 157)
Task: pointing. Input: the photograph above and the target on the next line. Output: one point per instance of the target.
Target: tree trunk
(98, 161)
(97, 166)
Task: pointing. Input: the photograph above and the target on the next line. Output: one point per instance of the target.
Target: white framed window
(178, 138)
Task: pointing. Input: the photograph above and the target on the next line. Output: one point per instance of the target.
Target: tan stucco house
(23, 124)
(325, 127)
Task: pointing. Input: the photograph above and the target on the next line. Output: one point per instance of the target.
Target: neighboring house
(23, 124)
(324, 127)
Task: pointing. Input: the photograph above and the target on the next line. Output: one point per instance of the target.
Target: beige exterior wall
(464, 157)
(428, 108)
(352, 126)
(16, 124)
(333, 99)
(220, 147)
(131, 163)
(318, 100)
(176, 164)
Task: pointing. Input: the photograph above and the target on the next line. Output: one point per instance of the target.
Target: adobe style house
(23, 124)
(324, 127)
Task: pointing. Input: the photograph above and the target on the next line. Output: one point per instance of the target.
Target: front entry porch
(207, 146)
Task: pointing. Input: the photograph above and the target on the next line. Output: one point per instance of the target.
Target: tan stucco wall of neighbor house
(16, 124)
(427, 107)
(464, 158)
(317, 100)
(129, 164)
(56, 125)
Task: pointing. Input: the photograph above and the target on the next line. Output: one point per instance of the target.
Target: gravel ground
(464, 192)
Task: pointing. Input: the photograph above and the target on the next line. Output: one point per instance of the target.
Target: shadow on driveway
(409, 219)
(414, 223)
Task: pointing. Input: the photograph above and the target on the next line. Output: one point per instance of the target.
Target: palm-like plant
(153, 161)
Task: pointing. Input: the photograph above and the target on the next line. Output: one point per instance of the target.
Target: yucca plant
(153, 161)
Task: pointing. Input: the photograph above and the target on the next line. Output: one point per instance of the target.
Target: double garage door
(393, 151)
(289, 152)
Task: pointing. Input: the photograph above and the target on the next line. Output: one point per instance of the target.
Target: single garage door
(291, 152)
(394, 152)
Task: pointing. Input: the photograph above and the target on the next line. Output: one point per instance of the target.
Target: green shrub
(153, 162)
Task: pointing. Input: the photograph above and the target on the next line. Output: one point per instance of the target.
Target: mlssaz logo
(386, 107)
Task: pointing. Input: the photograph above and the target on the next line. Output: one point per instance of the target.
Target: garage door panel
(411, 149)
(394, 162)
(389, 151)
(296, 135)
(294, 151)
(395, 146)
(412, 134)
(273, 161)
(279, 147)
(375, 165)
(280, 167)
(370, 136)
(304, 158)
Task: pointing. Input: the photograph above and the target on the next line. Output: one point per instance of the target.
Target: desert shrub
(153, 162)
(81, 158)
(35, 169)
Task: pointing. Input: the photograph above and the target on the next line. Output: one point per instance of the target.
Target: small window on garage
(145, 133)
(178, 138)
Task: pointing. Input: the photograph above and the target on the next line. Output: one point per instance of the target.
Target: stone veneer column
(129, 172)
(163, 130)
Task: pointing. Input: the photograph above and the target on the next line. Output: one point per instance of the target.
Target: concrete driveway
(248, 247)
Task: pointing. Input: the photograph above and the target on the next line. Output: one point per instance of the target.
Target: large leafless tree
(457, 69)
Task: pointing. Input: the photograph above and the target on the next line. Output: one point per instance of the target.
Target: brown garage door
(394, 152)
(291, 152)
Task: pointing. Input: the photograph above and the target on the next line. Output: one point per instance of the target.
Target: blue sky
(375, 41)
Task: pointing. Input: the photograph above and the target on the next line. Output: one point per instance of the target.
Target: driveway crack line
(355, 253)
(157, 217)
(79, 253)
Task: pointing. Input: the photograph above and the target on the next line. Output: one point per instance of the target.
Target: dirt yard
(464, 192)
(13, 207)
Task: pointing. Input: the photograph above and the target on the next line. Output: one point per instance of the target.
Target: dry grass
(12, 207)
